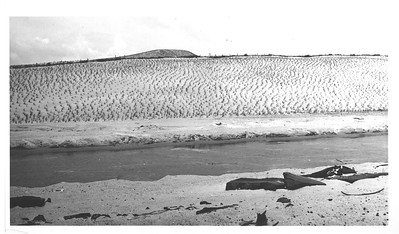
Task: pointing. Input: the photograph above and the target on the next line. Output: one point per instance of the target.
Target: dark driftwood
(357, 177)
(27, 201)
(156, 212)
(210, 209)
(295, 181)
(330, 171)
(76, 216)
(261, 219)
(205, 203)
(39, 218)
(253, 183)
(246, 223)
(165, 209)
(284, 200)
(361, 194)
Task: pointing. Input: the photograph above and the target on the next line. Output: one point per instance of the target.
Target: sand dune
(134, 89)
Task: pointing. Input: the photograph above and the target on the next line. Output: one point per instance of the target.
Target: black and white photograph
(264, 113)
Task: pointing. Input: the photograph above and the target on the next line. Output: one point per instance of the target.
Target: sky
(278, 28)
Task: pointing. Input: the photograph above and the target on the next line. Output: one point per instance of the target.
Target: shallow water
(37, 169)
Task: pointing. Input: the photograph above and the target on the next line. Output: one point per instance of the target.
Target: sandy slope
(143, 203)
(132, 89)
(192, 130)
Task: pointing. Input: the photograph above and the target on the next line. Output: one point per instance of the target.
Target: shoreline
(121, 147)
(161, 132)
(174, 200)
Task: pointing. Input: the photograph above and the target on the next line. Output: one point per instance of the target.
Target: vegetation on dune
(197, 87)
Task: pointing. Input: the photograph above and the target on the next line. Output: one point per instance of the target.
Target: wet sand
(163, 131)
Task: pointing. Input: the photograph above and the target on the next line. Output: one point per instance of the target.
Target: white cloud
(42, 40)
(119, 46)
(81, 48)
(273, 29)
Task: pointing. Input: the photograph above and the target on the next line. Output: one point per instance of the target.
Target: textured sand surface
(197, 87)
(142, 132)
(174, 200)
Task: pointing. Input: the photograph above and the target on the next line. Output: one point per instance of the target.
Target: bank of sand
(144, 132)
(174, 200)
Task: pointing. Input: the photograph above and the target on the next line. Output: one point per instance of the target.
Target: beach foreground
(180, 200)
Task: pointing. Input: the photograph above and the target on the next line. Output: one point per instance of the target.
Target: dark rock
(330, 199)
(76, 216)
(253, 183)
(292, 181)
(96, 216)
(27, 201)
(331, 171)
(261, 219)
(205, 203)
(288, 205)
(284, 200)
(39, 218)
(357, 177)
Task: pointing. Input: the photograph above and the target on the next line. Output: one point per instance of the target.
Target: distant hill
(162, 54)
(144, 55)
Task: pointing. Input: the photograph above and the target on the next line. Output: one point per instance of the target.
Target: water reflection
(36, 169)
